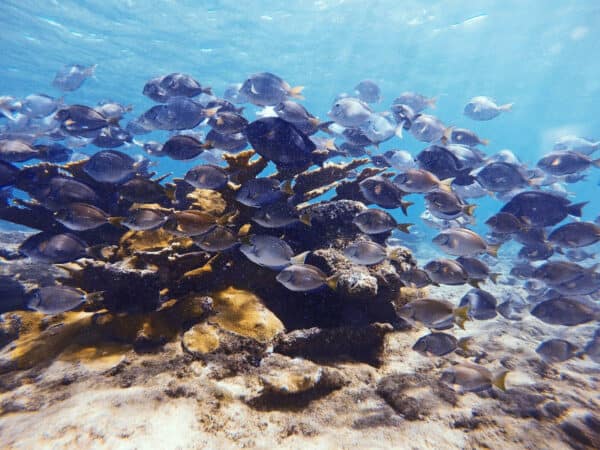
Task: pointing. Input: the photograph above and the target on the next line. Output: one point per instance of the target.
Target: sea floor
(116, 398)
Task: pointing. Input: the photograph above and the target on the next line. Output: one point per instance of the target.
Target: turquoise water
(537, 54)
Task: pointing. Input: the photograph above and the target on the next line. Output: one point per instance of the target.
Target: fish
(379, 128)
(417, 102)
(183, 147)
(217, 239)
(420, 181)
(474, 378)
(384, 193)
(40, 105)
(189, 223)
(178, 113)
(305, 278)
(8, 174)
(81, 121)
(281, 142)
(463, 242)
(505, 223)
(81, 216)
(592, 348)
(536, 252)
(541, 209)
(113, 111)
(484, 108)
(113, 166)
(477, 270)
(259, 192)
(227, 122)
(586, 283)
(161, 89)
(233, 94)
(58, 299)
(565, 311)
(434, 314)
(556, 272)
(427, 128)
(415, 278)
(145, 190)
(437, 344)
(441, 162)
(367, 253)
(13, 295)
(403, 115)
(53, 248)
(375, 221)
(59, 191)
(16, 150)
(350, 112)
(267, 251)
(233, 142)
(400, 159)
(54, 152)
(368, 91)
(70, 77)
(267, 89)
(279, 215)
(144, 219)
(207, 176)
(576, 144)
(447, 205)
(575, 235)
(481, 304)
(502, 177)
(561, 163)
(557, 350)
(463, 136)
(112, 136)
(446, 271)
(513, 306)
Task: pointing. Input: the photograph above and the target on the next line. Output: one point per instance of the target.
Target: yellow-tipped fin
(494, 277)
(461, 315)
(116, 221)
(97, 296)
(306, 219)
(209, 112)
(432, 102)
(314, 121)
(469, 210)
(596, 162)
(227, 218)
(507, 107)
(404, 206)
(299, 258)
(484, 141)
(244, 229)
(404, 227)
(296, 92)
(170, 190)
(332, 282)
(492, 250)
(447, 135)
(499, 379)
(474, 283)
(286, 187)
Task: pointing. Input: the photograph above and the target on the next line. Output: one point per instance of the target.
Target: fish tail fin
(399, 129)
(447, 135)
(494, 277)
(492, 249)
(404, 206)
(536, 181)
(93, 297)
(116, 221)
(499, 379)
(324, 126)
(227, 218)
(484, 141)
(287, 188)
(506, 107)
(306, 219)
(299, 258)
(332, 281)
(469, 210)
(465, 343)
(209, 112)
(404, 227)
(446, 184)
(296, 92)
(314, 121)
(432, 102)
(474, 283)
(170, 190)
(207, 90)
(91, 71)
(596, 162)
(128, 108)
(575, 210)
(461, 315)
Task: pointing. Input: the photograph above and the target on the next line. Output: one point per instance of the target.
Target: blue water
(541, 55)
